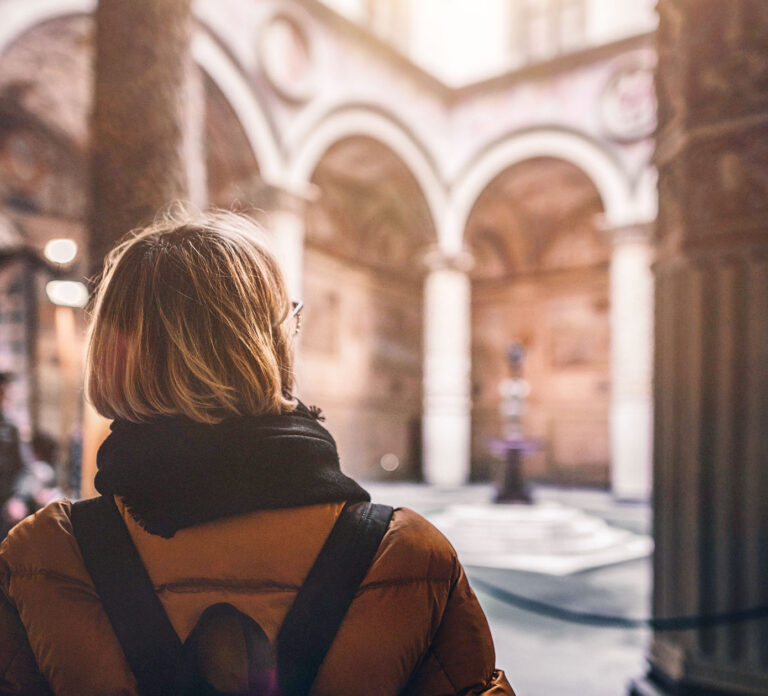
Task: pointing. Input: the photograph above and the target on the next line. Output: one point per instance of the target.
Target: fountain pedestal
(508, 478)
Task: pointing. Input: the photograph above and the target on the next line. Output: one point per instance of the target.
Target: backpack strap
(138, 619)
(318, 610)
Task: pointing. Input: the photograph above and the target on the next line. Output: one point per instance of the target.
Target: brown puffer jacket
(415, 626)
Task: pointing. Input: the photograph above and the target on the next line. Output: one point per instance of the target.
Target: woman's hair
(190, 318)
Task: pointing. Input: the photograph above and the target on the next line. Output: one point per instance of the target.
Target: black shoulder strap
(319, 608)
(149, 641)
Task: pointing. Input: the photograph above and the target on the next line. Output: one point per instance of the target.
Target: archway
(243, 102)
(233, 174)
(308, 145)
(45, 93)
(45, 119)
(361, 342)
(209, 55)
(541, 278)
(607, 175)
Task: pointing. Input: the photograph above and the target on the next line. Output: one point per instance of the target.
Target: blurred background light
(61, 251)
(390, 462)
(67, 293)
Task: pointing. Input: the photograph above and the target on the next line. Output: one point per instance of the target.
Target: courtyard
(543, 655)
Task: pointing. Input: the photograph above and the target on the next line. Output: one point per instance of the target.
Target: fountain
(513, 445)
(541, 537)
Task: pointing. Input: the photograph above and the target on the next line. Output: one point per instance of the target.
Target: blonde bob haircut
(190, 318)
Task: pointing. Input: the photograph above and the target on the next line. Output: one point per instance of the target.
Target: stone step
(546, 538)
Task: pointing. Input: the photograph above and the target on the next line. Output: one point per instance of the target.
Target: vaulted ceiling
(542, 214)
(370, 208)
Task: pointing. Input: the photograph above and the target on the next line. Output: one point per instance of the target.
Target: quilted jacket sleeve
(18, 670)
(461, 659)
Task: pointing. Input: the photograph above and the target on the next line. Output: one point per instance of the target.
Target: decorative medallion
(287, 58)
(628, 104)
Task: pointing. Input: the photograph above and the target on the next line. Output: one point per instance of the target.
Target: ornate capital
(630, 234)
(436, 259)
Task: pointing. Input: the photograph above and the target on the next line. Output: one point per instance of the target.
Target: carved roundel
(287, 57)
(628, 104)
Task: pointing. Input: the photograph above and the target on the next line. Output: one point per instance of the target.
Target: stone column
(631, 361)
(146, 117)
(194, 137)
(145, 134)
(283, 220)
(711, 343)
(447, 363)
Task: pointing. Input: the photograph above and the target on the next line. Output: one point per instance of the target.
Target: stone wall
(562, 319)
(360, 362)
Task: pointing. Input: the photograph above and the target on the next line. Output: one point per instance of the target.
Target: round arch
(207, 54)
(348, 122)
(604, 171)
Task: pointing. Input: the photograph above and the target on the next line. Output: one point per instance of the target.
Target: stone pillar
(711, 342)
(283, 220)
(194, 138)
(146, 120)
(145, 134)
(631, 361)
(447, 363)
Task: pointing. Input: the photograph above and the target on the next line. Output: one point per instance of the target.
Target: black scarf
(174, 472)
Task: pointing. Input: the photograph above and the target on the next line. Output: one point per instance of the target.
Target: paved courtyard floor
(543, 656)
